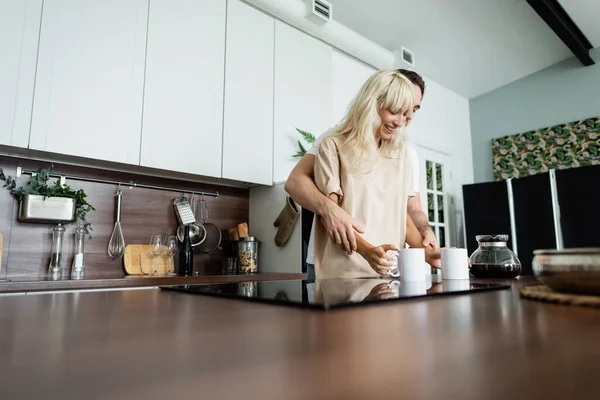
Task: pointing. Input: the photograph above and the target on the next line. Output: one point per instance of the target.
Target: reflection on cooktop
(333, 293)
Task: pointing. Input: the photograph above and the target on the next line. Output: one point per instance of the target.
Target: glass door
(435, 199)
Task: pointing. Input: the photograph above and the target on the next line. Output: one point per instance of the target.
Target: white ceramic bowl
(569, 270)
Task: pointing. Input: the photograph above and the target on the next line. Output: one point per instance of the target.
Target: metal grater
(184, 212)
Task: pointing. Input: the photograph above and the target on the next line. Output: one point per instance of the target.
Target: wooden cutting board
(138, 260)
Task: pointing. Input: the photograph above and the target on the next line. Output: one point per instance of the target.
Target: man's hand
(433, 257)
(340, 227)
(429, 239)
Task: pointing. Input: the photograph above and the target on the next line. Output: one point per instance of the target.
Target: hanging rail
(131, 184)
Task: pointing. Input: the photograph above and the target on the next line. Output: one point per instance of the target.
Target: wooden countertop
(153, 344)
(129, 281)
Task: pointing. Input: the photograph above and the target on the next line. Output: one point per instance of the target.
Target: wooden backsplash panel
(6, 216)
(143, 212)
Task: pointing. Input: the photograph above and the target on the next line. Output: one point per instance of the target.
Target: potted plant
(43, 202)
(309, 138)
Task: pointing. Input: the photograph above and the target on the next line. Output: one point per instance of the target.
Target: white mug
(456, 285)
(455, 263)
(411, 265)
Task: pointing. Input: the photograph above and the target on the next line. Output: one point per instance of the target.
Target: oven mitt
(285, 221)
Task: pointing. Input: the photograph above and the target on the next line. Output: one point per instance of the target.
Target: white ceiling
(586, 14)
(469, 46)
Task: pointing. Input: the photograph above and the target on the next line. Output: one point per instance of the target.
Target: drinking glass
(157, 247)
(172, 246)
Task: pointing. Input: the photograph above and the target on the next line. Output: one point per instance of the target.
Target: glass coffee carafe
(493, 259)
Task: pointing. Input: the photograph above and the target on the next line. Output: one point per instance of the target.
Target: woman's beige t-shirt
(377, 201)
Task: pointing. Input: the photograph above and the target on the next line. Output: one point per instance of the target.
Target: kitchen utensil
(248, 255)
(213, 236)
(116, 244)
(197, 233)
(243, 230)
(185, 215)
(233, 234)
(137, 260)
(569, 270)
(493, 259)
(455, 263)
(183, 210)
(0, 252)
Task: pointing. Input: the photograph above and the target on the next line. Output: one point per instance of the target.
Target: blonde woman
(363, 166)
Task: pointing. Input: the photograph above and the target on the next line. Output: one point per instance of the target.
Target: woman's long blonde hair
(385, 89)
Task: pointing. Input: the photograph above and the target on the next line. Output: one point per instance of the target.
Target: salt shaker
(77, 271)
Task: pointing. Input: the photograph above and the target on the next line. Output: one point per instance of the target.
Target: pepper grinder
(56, 262)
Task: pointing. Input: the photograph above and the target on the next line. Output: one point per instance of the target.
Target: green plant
(38, 185)
(308, 137)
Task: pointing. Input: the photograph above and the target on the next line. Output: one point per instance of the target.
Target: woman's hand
(383, 291)
(378, 259)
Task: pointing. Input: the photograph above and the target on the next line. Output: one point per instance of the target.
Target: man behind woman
(364, 168)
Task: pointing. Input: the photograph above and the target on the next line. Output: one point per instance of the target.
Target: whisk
(116, 244)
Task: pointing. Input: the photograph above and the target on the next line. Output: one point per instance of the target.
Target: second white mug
(411, 265)
(455, 263)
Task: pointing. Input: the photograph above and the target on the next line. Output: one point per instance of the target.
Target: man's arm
(420, 220)
(301, 187)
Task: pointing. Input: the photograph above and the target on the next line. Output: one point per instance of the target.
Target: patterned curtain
(571, 145)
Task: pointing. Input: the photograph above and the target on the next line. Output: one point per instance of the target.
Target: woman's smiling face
(390, 122)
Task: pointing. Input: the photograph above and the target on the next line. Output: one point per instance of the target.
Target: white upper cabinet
(302, 93)
(349, 74)
(19, 32)
(248, 118)
(90, 79)
(183, 98)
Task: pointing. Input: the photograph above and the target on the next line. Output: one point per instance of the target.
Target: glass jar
(493, 259)
(78, 262)
(56, 260)
(248, 255)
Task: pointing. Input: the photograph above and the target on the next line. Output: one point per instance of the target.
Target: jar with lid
(493, 259)
(247, 249)
(56, 260)
(77, 270)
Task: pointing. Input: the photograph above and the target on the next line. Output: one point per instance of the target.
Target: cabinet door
(89, 83)
(248, 113)
(19, 32)
(534, 218)
(302, 93)
(577, 193)
(348, 76)
(183, 96)
(487, 211)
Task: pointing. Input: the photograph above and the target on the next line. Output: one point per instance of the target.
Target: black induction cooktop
(335, 293)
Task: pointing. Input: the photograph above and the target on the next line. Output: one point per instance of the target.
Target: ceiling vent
(319, 11)
(408, 57)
